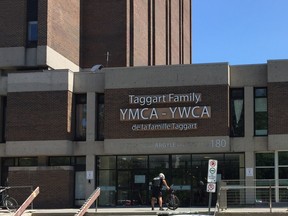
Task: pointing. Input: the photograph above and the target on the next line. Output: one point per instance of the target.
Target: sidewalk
(113, 211)
(148, 211)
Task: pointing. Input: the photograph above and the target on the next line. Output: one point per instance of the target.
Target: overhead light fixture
(96, 67)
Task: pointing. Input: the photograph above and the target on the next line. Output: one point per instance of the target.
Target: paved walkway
(148, 211)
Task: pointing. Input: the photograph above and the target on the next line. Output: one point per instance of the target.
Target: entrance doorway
(125, 180)
(132, 180)
(132, 187)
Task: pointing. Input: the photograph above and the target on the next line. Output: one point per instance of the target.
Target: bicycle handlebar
(4, 188)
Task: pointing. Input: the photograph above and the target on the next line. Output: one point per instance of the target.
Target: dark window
(265, 159)
(81, 117)
(260, 112)
(28, 161)
(79, 163)
(32, 10)
(100, 117)
(60, 161)
(283, 158)
(32, 23)
(3, 103)
(237, 112)
(265, 173)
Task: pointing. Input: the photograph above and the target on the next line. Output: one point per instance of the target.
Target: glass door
(132, 181)
(80, 182)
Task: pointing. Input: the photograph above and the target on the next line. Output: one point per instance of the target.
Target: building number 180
(218, 143)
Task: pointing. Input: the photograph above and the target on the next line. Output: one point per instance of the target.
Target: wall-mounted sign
(191, 112)
(143, 100)
(89, 175)
(139, 179)
(150, 113)
(249, 172)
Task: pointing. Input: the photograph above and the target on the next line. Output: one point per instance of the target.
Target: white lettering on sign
(148, 100)
(147, 113)
(185, 112)
(196, 112)
(138, 114)
(164, 126)
(218, 143)
(165, 145)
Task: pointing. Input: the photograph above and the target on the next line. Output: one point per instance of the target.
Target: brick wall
(160, 33)
(42, 22)
(175, 19)
(277, 108)
(39, 116)
(214, 96)
(141, 33)
(64, 28)
(56, 185)
(187, 32)
(13, 23)
(103, 29)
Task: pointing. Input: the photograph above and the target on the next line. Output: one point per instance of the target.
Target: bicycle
(172, 201)
(7, 201)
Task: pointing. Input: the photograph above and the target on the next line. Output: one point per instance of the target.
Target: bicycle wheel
(172, 202)
(10, 203)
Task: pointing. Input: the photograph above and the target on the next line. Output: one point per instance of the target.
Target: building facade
(70, 132)
(77, 34)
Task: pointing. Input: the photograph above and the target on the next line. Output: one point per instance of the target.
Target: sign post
(211, 179)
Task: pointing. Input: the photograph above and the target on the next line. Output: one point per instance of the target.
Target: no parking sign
(211, 187)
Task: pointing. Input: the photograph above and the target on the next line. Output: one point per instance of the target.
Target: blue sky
(239, 31)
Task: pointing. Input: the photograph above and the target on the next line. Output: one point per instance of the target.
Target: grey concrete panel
(248, 75)
(277, 142)
(173, 75)
(41, 81)
(89, 82)
(12, 56)
(167, 145)
(39, 148)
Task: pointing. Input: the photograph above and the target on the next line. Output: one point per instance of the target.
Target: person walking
(156, 188)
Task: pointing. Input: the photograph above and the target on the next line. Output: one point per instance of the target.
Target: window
(265, 173)
(32, 31)
(32, 23)
(264, 159)
(100, 117)
(28, 161)
(81, 117)
(237, 112)
(260, 112)
(3, 102)
(265, 165)
(77, 162)
(60, 161)
(283, 165)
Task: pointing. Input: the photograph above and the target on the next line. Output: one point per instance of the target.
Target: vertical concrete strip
(27, 202)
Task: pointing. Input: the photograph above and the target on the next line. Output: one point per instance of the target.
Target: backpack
(156, 182)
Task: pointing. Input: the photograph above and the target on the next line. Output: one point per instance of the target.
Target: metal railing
(88, 202)
(27, 202)
(256, 193)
